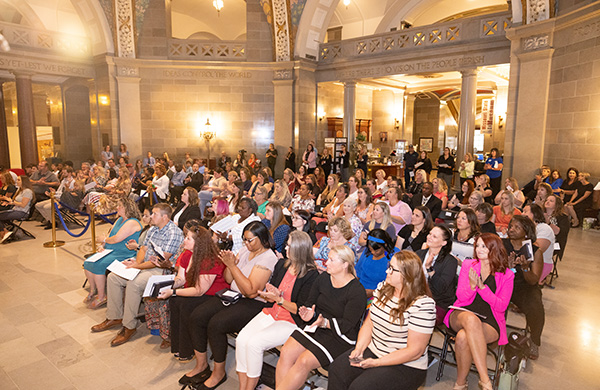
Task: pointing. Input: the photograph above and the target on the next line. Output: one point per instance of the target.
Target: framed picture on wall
(426, 144)
(383, 136)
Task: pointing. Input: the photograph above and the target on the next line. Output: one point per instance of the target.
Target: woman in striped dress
(391, 350)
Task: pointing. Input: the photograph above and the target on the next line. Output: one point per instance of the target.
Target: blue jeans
(205, 197)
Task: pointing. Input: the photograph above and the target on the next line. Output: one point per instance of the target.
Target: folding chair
(497, 351)
(16, 225)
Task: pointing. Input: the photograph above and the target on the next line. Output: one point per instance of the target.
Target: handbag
(228, 296)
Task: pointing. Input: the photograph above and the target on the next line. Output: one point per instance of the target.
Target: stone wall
(152, 41)
(573, 128)
(176, 104)
(259, 41)
(77, 141)
(427, 123)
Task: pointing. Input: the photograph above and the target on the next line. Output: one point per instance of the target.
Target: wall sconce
(500, 121)
(103, 100)
(396, 123)
(321, 115)
(208, 134)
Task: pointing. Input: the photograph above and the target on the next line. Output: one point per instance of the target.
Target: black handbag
(228, 296)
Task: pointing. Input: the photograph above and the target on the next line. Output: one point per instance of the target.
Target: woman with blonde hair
(281, 194)
(290, 180)
(328, 193)
(482, 184)
(339, 232)
(381, 219)
(504, 212)
(416, 185)
(391, 349)
(466, 169)
(511, 184)
(440, 191)
(334, 309)
(582, 199)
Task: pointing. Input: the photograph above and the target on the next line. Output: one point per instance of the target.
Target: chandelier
(346, 3)
(218, 4)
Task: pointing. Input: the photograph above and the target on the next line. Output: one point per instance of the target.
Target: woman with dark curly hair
(194, 285)
(372, 265)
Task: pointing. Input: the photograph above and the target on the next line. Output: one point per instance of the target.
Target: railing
(200, 50)
(460, 30)
(28, 38)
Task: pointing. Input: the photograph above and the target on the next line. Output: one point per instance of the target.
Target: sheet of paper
(286, 212)
(462, 250)
(89, 186)
(226, 224)
(119, 268)
(98, 256)
(463, 309)
(154, 279)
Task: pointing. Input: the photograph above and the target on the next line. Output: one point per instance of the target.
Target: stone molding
(283, 74)
(282, 39)
(128, 71)
(535, 42)
(537, 10)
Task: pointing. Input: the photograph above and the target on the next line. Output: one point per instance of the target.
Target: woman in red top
(504, 212)
(194, 284)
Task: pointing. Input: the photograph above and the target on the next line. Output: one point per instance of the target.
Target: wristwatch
(430, 269)
(280, 302)
(174, 292)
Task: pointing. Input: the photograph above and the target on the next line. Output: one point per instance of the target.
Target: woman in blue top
(372, 266)
(127, 227)
(276, 223)
(493, 168)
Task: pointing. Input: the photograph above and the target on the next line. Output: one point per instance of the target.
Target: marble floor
(45, 339)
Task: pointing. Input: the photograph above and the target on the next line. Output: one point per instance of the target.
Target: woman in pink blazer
(485, 285)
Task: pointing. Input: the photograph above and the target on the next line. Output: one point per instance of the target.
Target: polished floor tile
(45, 338)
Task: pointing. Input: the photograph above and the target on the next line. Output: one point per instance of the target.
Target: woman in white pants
(291, 283)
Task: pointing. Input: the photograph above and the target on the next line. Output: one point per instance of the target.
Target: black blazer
(301, 289)
(191, 212)
(443, 282)
(433, 204)
(196, 180)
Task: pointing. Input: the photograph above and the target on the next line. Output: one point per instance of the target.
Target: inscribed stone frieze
(585, 31)
(46, 67)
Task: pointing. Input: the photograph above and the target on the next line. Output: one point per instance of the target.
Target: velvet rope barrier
(65, 226)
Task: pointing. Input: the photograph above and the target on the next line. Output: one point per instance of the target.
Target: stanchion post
(151, 194)
(93, 229)
(54, 243)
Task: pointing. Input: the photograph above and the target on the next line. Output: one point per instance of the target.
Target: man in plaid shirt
(163, 234)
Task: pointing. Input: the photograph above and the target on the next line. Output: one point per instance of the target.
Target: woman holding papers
(127, 227)
(194, 284)
(248, 273)
(485, 285)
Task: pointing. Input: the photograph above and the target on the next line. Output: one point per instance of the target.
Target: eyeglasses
(249, 240)
(391, 269)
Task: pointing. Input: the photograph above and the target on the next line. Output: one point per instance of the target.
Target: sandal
(461, 387)
(89, 298)
(97, 303)
(486, 386)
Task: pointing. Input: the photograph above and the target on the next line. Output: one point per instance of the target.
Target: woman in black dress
(413, 236)
(569, 185)
(424, 163)
(325, 162)
(290, 159)
(582, 199)
(334, 310)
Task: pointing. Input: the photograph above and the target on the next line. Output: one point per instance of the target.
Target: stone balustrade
(460, 30)
(201, 50)
(22, 37)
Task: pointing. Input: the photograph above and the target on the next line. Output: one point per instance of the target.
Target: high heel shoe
(486, 386)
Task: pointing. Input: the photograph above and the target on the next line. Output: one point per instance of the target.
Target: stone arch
(28, 13)
(313, 25)
(93, 18)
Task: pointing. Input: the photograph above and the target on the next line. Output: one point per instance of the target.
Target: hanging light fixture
(218, 4)
(346, 3)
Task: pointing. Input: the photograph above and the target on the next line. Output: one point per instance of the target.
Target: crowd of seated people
(305, 254)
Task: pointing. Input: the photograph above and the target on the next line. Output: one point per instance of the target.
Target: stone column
(130, 117)
(27, 131)
(409, 116)
(4, 151)
(466, 117)
(350, 111)
(283, 85)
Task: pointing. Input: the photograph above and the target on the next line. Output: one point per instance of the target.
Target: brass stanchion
(151, 194)
(53, 243)
(93, 230)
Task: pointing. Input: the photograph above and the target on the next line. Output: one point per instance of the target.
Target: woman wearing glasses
(372, 265)
(391, 350)
(248, 274)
